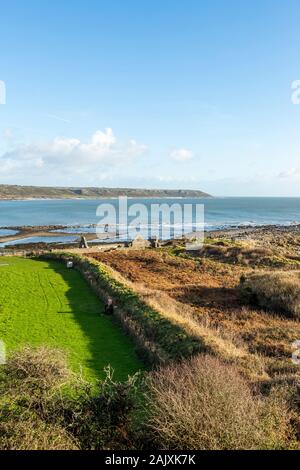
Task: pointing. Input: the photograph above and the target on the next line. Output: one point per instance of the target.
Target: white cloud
(293, 173)
(182, 155)
(70, 156)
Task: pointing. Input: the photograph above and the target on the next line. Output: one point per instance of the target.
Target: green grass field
(44, 303)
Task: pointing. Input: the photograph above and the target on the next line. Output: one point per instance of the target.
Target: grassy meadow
(44, 303)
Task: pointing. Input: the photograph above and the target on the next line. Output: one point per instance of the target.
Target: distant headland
(8, 192)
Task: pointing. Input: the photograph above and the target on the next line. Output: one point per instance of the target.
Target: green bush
(177, 250)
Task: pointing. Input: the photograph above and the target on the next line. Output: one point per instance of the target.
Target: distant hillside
(40, 192)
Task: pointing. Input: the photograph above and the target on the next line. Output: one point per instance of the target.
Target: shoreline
(95, 198)
(101, 198)
(59, 231)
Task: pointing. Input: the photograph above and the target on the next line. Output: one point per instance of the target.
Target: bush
(44, 406)
(99, 417)
(36, 370)
(275, 291)
(199, 404)
(27, 384)
(241, 252)
(25, 433)
(205, 404)
(177, 250)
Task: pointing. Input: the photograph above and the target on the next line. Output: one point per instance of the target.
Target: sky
(190, 94)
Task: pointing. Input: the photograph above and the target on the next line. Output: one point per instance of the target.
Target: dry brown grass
(212, 339)
(205, 404)
(205, 290)
(243, 253)
(274, 291)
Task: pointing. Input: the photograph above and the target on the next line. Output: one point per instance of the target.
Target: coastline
(101, 197)
(261, 233)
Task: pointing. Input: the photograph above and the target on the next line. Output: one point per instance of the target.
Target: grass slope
(44, 303)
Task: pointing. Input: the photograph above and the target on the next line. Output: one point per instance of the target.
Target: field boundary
(158, 341)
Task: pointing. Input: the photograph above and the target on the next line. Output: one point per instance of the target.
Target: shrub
(44, 406)
(27, 383)
(241, 252)
(199, 404)
(177, 250)
(99, 417)
(205, 404)
(36, 370)
(25, 433)
(275, 291)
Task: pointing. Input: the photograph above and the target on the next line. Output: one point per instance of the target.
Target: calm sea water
(28, 240)
(219, 212)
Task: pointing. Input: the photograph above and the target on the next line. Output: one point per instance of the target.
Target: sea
(83, 215)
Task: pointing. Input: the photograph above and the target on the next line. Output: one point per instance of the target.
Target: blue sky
(170, 94)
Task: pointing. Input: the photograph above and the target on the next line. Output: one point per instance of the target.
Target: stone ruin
(83, 243)
(140, 243)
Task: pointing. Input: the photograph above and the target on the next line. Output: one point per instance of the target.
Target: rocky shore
(282, 238)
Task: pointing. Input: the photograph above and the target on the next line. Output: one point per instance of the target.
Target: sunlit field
(44, 303)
